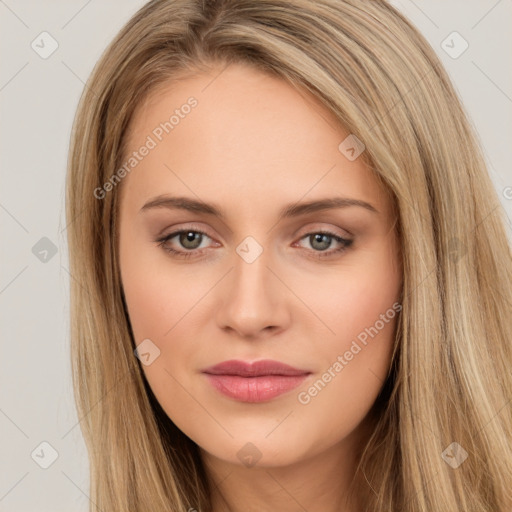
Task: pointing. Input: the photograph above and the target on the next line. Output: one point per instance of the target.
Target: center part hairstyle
(450, 378)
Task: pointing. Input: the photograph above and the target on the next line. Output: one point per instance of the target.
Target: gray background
(39, 97)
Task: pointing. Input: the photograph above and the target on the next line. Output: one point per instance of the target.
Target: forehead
(248, 133)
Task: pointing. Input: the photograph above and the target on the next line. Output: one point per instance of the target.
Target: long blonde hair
(450, 378)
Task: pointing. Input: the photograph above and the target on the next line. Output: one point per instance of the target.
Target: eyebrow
(290, 210)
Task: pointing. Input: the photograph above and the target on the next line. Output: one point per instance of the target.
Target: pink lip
(254, 382)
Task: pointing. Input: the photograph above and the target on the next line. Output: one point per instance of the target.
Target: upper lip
(254, 369)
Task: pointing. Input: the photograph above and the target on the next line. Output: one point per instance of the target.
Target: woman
(339, 337)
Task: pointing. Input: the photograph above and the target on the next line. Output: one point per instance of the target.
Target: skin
(252, 145)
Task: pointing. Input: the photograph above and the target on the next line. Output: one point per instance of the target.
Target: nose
(253, 302)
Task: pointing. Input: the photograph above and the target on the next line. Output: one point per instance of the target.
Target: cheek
(361, 311)
(355, 364)
(160, 304)
(156, 297)
(355, 356)
(357, 302)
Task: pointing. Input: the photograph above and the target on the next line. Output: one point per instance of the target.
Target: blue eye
(191, 239)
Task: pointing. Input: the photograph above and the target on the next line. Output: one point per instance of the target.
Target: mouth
(260, 381)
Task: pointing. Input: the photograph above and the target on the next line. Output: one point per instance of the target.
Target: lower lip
(255, 389)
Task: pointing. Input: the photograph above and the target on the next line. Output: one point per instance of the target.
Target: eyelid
(190, 226)
(309, 229)
(321, 226)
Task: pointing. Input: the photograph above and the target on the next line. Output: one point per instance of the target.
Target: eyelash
(345, 244)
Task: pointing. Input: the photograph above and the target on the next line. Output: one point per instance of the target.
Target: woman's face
(246, 153)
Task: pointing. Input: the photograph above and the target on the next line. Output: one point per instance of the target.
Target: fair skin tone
(252, 146)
